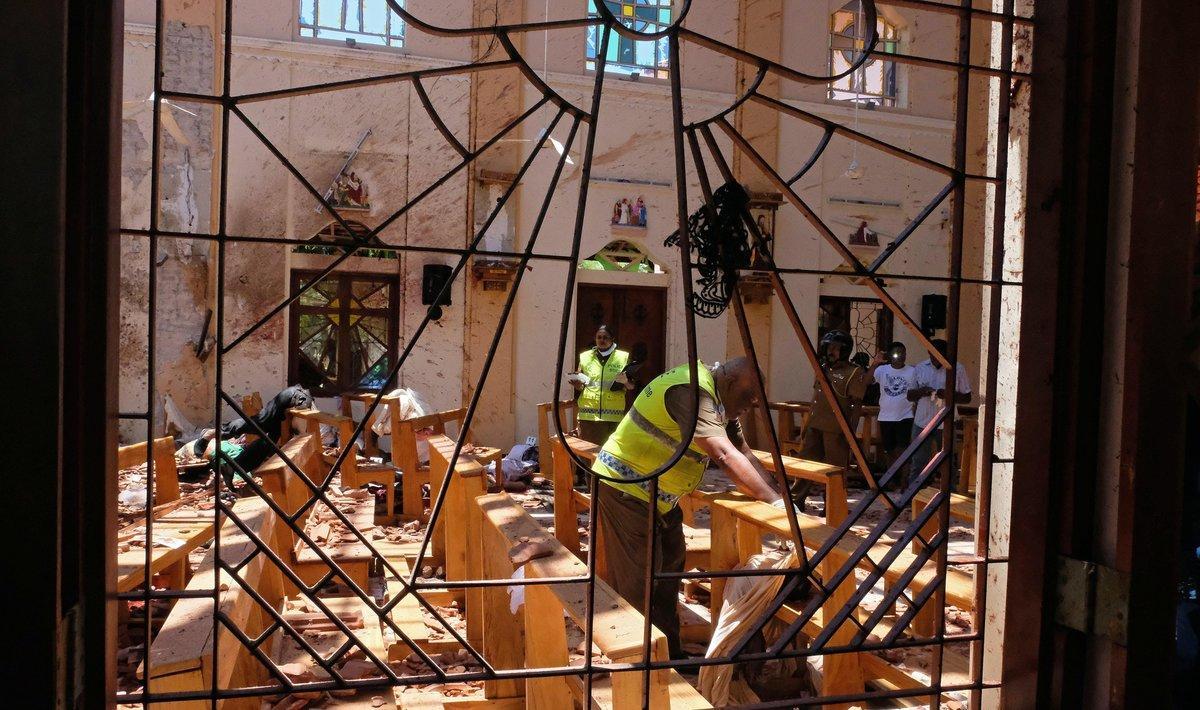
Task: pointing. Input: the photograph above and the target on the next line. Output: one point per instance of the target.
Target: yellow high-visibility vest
(647, 437)
(598, 402)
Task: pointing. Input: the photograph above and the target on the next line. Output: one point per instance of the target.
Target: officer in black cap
(823, 438)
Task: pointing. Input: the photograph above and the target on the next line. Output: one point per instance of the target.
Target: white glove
(783, 502)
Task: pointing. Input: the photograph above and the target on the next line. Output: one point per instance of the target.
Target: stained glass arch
(620, 255)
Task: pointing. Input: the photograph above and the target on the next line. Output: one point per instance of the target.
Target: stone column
(760, 24)
(496, 99)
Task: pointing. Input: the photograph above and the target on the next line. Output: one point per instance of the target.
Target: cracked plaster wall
(405, 154)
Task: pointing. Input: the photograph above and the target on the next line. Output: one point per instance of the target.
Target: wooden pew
(738, 525)
(960, 586)
(131, 565)
(969, 418)
(404, 450)
(789, 433)
(356, 470)
(833, 478)
(314, 418)
(183, 530)
(546, 425)
(166, 475)
(617, 627)
(449, 542)
(181, 657)
(370, 440)
(280, 480)
(291, 494)
(962, 508)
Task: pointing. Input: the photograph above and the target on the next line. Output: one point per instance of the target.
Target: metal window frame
(389, 39)
(689, 139)
(886, 100)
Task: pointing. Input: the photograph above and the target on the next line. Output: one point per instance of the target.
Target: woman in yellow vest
(601, 383)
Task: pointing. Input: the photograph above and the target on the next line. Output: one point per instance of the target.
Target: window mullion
(343, 345)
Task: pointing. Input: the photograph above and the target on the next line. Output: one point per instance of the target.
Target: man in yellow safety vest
(601, 383)
(645, 439)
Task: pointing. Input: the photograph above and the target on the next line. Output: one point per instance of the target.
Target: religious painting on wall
(864, 236)
(629, 214)
(350, 192)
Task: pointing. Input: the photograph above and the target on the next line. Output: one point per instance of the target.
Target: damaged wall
(405, 154)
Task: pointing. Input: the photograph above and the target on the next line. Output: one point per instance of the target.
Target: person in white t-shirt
(930, 397)
(896, 378)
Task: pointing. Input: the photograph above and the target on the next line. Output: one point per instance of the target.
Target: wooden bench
(357, 471)
(404, 451)
(548, 429)
(181, 657)
(617, 627)
(370, 440)
(450, 539)
(962, 508)
(166, 474)
(181, 531)
(291, 494)
(738, 524)
(832, 477)
(790, 434)
(131, 565)
(969, 417)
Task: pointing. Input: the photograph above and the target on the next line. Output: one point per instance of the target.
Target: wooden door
(638, 317)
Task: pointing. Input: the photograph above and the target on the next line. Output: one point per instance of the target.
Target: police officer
(601, 383)
(645, 439)
(823, 438)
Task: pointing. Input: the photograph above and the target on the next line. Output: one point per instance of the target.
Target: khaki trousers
(824, 446)
(623, 521)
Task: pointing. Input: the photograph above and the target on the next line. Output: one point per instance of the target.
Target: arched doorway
(630, 302)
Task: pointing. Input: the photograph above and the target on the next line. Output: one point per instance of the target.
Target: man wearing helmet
(823, 439)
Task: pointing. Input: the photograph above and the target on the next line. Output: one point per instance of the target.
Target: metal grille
(698, 143)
